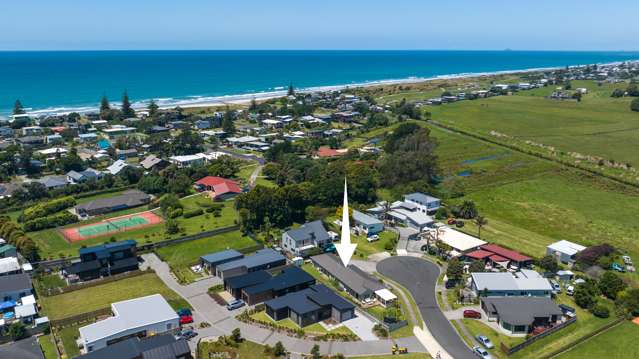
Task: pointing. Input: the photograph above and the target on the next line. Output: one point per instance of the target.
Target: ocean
(75, 80)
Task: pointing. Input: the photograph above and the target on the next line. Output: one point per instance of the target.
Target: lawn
(182, 255)
(101, 296)
(389, 356)
(315, 328)
(47, 346)
(245, 350)
(616, 343)
(366, 248)
(68, 336)
(475, 327)
(48, 281)
(51, 244)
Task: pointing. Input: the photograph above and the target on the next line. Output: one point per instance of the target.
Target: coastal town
(203, 231)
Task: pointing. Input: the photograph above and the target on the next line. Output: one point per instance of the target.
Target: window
(169, 326)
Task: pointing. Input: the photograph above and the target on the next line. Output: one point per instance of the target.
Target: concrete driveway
(361, 326)
(420, 277)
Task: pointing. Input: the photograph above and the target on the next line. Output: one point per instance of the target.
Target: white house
(368, 224)
(141, 317)
(564, 251)
(116, 167)
(189, 160)
(423, 202)
(409, 214)
(505, 284)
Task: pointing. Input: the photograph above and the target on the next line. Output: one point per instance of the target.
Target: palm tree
(480, 221)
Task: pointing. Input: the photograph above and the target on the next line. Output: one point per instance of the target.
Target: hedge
(55, 220)
(46, 208)
(193, 213)
(175, 213)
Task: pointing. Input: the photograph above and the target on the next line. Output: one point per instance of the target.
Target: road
(420, 278)
(223, 322)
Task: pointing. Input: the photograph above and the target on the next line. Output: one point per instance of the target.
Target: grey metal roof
(261, 257)
(163, 346)
(130, 198)
(420, 197)
(360, 217)
(523, 280)
(288, 278)
(351, 276)
(521, 310)
(15, 282)
(221, 256)
(310, 230)
(247, 280)
(310, 299)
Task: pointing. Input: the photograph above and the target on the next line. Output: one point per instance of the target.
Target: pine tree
(227, 123)
(127, 111)
(17, 108)
(105, 108)
(291, 90)
(153, 108)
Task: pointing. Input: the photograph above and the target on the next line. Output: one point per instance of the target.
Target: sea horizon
(49, 82)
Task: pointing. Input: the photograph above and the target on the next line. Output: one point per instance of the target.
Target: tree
(279, 349)
(291, 90)
(586, 294)
(153, 109)
(17, 331)
(171, 226)
(105, 108)
(549, 263)
(591, 255)
(315, 352)
(633, 90)
(477, 266)
(228, 124)
(611, 284)
(628, 300)
(480, 221)
(617, 93)
(127, 110)
(169, 201)
(467, 210)
(600, 310)
(455, 270)
(634, 105)
(18, 109)
(236, 335)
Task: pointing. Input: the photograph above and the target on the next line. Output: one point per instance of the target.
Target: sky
(326, 24)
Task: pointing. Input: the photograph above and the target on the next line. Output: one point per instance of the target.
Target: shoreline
(241, 99)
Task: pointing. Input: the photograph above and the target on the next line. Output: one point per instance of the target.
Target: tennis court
(110, 226)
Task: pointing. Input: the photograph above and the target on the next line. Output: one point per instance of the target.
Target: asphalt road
(420, 277)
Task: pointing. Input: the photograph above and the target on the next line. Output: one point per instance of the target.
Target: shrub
(17, 331)
(590, 255)
(55, 220)
(46, 208)
(193, 213)
(175, 213)
(601, 311)
(634, 105)
(388, 246)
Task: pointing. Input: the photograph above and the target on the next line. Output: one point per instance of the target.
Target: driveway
(420, 277)
(362, 327)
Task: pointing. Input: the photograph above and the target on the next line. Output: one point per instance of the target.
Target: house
(128, 153)
(461, 243)
(87, 137)
(27, 348)
(54, 139)
(6, 132)
(189, 160)
(128, 199)
(152, 162)
(289, 280)
(32, 131)
(52, 182)
(409, 214)
(53, 152)
(495, 255)
(367, 224)
(9, 265)
(116, 167)
(7, 189)
(159, 129)
(15, 286)
(75, 177)
(505, 284)
(241, 141)
(31, 140)
(118, 130)
(355, 282)
(262, 259)
(104, 260)
(26, 313)
(220, 188)
(202, 124)
(234, 285)
(162, 346)
(139, 317)
(8, 251)
(309, 306)
(210, 261)
(564, 251)
(300, 241)
(327, 152)
(423, 202)
(520, 315)
(272, 123)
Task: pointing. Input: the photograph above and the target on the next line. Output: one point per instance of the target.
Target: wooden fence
(531, 340)
(584, 338)
(80, 318)
(73, 287)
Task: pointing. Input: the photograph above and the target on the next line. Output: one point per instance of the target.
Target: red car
(469, 313)
(451, 221)
(186, 319)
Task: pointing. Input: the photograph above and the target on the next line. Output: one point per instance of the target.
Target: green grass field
(619, 342)
(245, 350)
(101, 296)
(47, 346)
(182, 255)
(316, 328)
(51, 243)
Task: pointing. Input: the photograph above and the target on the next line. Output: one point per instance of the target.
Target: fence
(531, 340)
(584, 338)
(73, 287)
(80, 318)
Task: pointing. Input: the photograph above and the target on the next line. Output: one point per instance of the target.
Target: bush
(634, 105)
(601, 311)
(193, 213)
(56, 220)
(46, 208)
(175, 213)
(17, 331)
(590, 255)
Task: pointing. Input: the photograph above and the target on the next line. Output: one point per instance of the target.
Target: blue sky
(326, 24)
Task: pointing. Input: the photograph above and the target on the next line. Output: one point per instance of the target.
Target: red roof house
(324, 152)
(222, 188)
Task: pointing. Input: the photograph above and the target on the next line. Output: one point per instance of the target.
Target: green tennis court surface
(111, 225)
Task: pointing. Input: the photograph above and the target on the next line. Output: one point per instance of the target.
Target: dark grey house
(212, 260)
(359, 284)
(310, 305)
(234, 285)
(288, 281)
(15, 286)
(261, 260)
(128, 199)
(299, 241)
(520, 315)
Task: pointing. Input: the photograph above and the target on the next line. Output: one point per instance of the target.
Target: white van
(570, 290)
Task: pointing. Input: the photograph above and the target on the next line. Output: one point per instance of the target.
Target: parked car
(570, 290)
(566, 308)
(186, 334)
(469, 313)
(459, 224)
(451, 221)
(481, 352)
(483, 340)
(235, 304)
(184, 311)
(556, 287)
(187, 319)
(618, 267)
(372, 238)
